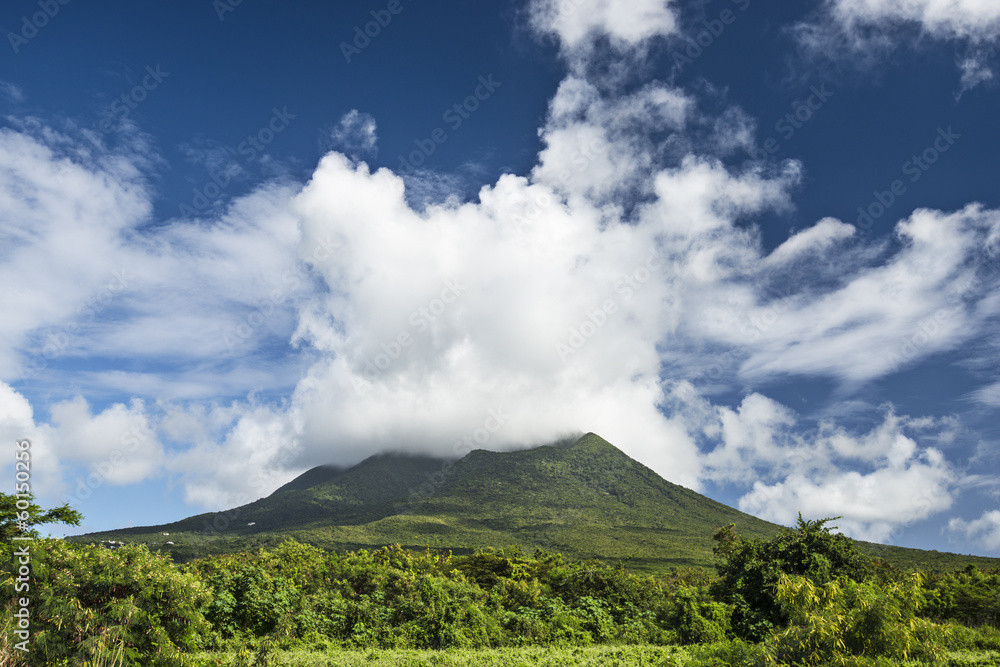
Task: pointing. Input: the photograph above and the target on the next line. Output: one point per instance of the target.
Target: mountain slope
(587, 500)
(584, 498)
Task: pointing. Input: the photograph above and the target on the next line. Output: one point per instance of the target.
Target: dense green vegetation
(582, 497)
(804, 596)
(750, 571)
(93, 603)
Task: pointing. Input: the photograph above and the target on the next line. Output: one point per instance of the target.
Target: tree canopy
(20, 519)
(749, 570)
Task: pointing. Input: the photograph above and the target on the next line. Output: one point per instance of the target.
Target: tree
(18, 513)
(970, 596)
(91, 605)
(749, 570)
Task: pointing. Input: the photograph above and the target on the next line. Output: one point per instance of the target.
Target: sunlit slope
(584, 498)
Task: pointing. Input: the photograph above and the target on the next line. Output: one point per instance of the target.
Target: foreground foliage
(804, 597)
(749, 571)
(729, 653)
(90, 603)
(590, 656)
(843, 619)
(394, 598)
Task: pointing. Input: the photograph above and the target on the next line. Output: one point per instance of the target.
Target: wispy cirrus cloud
(864, 30)
(973, 20)
(355, 135)
(11, 92)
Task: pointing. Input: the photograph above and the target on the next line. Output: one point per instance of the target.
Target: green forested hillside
(584, 498)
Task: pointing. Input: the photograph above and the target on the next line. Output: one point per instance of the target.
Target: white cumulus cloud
(627, 23)
(877, 481)
(119, 441)
(985, 530)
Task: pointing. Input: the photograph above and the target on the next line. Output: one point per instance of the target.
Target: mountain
(584, 498)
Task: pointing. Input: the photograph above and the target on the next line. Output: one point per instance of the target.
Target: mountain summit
(584, 498)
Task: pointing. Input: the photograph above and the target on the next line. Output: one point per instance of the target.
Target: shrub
(249, 601)
(126, 606)
(843, 619)
(697, 619)
(970, 596)
(749, 570)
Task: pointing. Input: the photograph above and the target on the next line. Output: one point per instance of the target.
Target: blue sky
(755, 247)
